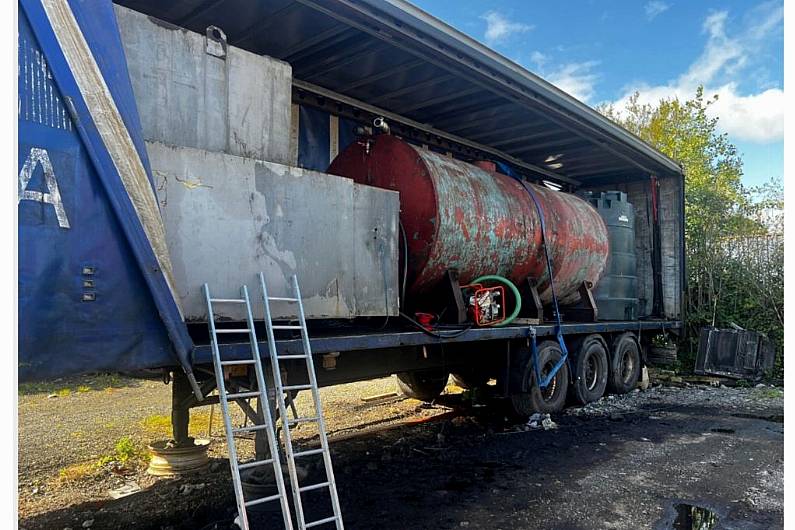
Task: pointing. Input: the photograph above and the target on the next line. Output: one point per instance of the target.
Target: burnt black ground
(622, 463)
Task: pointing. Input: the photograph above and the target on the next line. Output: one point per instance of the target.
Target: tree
(727, 226)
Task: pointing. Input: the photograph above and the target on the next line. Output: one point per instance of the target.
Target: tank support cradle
(585, 310)
(532, 308)
(457, 303)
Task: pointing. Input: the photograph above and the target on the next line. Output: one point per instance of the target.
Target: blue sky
(604, 50)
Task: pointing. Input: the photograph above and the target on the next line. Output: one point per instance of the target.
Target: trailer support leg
(181, 390)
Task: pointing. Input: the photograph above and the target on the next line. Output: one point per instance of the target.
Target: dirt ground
(623, 462)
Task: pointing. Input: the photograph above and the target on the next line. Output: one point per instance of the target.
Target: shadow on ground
(470, 471)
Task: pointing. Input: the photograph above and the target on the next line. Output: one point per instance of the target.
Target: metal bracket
(531, 302)
(585, 310)
(455, 297)
(215, 42)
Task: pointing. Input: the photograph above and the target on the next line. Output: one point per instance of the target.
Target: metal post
(180, 414)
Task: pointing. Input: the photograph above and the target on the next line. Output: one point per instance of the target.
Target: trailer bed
(336, 342)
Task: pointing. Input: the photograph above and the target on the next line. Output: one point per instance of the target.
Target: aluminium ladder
(281, 389)
(261, 394)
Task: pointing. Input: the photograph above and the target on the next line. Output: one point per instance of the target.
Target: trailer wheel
(553, 397)
(625, 364)
(425, 385)
(591, 370)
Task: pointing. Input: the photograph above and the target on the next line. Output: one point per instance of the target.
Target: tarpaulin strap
(654, 198)
(542, 383)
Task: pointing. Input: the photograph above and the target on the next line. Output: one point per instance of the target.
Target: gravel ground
(623, 462)
(67, 427)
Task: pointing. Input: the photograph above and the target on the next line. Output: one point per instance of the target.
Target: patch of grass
(159, 425)
(768, 393)
(83, 383)
(199, 421)
(64, 392)
(76, 472)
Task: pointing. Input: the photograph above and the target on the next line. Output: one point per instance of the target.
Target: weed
(83, 388)
(64, 392)
(126, 451)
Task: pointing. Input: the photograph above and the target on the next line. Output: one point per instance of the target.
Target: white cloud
(655, 7)
(577, 79)
(499, 28)
(756, 117)
(538, 58)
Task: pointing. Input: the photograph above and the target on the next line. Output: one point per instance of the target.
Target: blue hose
(542, 383)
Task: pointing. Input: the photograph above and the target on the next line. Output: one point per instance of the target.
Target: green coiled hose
(517, 297)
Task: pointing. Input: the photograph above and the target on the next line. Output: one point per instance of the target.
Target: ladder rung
(227, 301)
(302, 420)
(250, 428)
(261, 500)
(242, 395)
(255, 463)
(297, 387)
(242, 361)
(241, 330)
(286, 327)
(308, 452)
(321, 521)
(291, 356)
(282, 299)
(314, 486)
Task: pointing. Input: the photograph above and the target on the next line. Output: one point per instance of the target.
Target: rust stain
(480, 222)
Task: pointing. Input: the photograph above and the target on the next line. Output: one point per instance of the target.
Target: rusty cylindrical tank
(457, 215)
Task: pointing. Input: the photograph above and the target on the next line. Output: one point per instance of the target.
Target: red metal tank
(457, 215)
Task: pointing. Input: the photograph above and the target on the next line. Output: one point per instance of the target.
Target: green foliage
(125, 451)
(733, 235)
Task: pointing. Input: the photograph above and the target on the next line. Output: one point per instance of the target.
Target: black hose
(433, 333)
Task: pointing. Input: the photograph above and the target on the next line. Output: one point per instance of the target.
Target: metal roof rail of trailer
(391, 55)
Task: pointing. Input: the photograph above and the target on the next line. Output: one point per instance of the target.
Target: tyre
(553, 397)
(469, 379)
(591, 370)
(625, 364)
(425, 385)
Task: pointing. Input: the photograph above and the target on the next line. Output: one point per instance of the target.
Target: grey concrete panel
(189, 94)
(228, 217)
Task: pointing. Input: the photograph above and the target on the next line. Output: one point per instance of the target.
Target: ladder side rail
(310, 365)
(279, 394)
(266, 412)
(230, 440)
